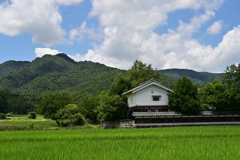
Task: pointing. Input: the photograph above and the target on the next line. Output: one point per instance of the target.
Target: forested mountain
(196, 77)
(9, 66)
(62, 74)
(58, 73)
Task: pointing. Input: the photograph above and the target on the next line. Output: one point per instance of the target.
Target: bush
(8, 114)
(32, 115)
(2, 116)
(69, 116)
(78, 120)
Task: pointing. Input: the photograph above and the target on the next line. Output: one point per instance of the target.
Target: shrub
(2, 116)
(69, 116)
(8, 114)
(78, 120)
(32, 115)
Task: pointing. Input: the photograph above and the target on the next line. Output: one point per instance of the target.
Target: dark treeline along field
(23, 82)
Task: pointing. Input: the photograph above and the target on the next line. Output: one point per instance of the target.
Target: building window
(156, 98)
(131, 100)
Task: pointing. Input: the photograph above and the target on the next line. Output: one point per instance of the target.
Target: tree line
(217, 95)
(110, 106)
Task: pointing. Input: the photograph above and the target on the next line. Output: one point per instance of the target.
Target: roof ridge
(151, 80)
(145, 83)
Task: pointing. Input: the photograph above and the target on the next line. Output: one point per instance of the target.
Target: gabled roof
(146, 84)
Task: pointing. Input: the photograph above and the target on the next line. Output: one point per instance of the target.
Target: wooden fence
(176, 117)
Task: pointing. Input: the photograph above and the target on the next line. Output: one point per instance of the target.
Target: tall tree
(141, 72)
(213, 94)
(184, 97)
(3, 104)
(120, 84)
(232, 92)
(110, 107)
(88, 107)
(51, 103)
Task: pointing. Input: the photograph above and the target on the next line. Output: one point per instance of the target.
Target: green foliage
(3, 106)
(51, 103)
(2, 116)
(185, 97)
(140, 72)
(8, 114)
(205, 107)
(69, 116)
(213, 94)
(10, 66)
(232, 92)
(16, 103)
(32, 115)
(120, 84)
(111, 107)
(196, 77)
(88, 107)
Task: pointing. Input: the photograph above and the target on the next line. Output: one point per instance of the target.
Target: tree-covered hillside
(9, 66)
(59, 73)
(196, 77)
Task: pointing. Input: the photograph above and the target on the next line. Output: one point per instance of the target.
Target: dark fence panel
(192, 118)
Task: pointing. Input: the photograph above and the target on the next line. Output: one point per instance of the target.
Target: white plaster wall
(144, 97)
(132, 100)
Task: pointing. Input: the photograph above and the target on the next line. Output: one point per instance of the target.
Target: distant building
(149, 96)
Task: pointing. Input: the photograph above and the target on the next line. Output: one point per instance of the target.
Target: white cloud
(215, 28)
(41, 18)
(78, 34)
(42, 51)
(129, 35)
(69, 2)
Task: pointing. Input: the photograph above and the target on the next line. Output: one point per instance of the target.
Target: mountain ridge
(60, 73)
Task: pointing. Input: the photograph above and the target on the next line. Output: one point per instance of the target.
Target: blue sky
(203, 35)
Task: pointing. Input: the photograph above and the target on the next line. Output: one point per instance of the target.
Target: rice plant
(205, 142)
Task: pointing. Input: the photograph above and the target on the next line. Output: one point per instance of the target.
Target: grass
(204, 142)
(22, 122)
(19, 117)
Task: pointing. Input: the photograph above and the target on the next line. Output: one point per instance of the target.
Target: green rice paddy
(204, 142)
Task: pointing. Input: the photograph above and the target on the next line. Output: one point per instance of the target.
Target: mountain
(56, 74)
(60, 73)
(9, 66)
(196, 77)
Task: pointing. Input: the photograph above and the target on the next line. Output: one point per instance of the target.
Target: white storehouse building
(149, 96)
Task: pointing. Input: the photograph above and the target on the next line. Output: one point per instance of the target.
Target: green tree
(120, 84)
(184, 97)
(2, 116)
(3, 104)
(51, 103)
(110, 107)
(88, 107)
(32, 115)
(213, 94)
(141, 72)
(69, 116)
(232, 92)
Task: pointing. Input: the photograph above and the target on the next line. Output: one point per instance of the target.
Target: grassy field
(19, 117)
(205, 142)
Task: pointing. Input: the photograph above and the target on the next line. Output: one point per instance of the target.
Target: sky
(202, 35)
